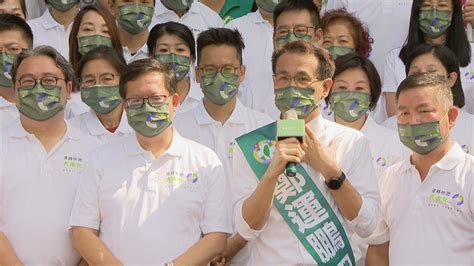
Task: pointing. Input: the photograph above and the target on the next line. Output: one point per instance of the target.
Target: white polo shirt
(142, 53)
(276, 243)
(75, 106)
(429, 222)
(193, 98)
(385, 145)
(462, 132)
(258, 91)
(47, 31)
(90, 125)
(198, 18)
(394, 74)
(151, 210)
(198, 125)
(8, 112)
(37, 192)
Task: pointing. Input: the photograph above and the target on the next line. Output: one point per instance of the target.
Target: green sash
(300, 202)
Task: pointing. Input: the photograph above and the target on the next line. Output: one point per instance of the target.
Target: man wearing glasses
(41, 159)
(308, 218)
(154, 197)
(220, 117)
(15, 35)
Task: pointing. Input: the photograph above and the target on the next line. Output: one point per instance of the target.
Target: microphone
(290, 127)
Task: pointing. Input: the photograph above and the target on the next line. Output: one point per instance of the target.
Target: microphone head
(290, 114)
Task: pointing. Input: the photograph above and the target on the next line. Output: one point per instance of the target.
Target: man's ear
(453, 113)
(318, 37)
(243, 70)
(326, 86)
(452, 77)
(197, 74)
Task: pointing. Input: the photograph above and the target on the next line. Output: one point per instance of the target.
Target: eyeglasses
(284, 80)
(155, 101)
(48, 82)
(104, 79)
(11, 50)
(226, 71)
(299, 31)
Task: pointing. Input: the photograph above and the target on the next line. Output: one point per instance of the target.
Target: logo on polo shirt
(72, 165)
(466, 148)
(469, 75)
(445, 199)
(263, 151)
(185, 180)
(231, 149)
(381, 161)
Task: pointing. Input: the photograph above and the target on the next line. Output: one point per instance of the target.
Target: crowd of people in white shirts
(143, 132)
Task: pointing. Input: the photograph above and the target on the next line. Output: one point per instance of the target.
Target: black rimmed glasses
(298, 31)
(48, 82)
(155, 101)
(226, 71)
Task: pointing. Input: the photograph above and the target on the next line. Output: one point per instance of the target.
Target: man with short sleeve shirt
(41, 159)
(325, 163)
(163, 202)
(195, 15)
(427, 199)
(54, 26)
(15, 35)
(220, 117)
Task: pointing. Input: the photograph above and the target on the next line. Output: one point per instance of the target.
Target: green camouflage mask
(135, 18)
(299, 99)
(267, 5)
(434, 22)
(7, 61)
(87, 43)
(39, 103)
(178, 5)
(220, 89)
(179, 64)
(291, 38)
(350, 105)
(148, 120)
(337, 51)
(103, 99)
(421, 138)
(63, 5)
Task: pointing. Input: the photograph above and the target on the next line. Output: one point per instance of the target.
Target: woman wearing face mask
(93, 27)
(344, 33)
(433, 22)
(355, 92)
(99, 73)
(441, 60)
(173, 43)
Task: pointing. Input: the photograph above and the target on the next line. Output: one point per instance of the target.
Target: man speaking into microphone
(309, 214)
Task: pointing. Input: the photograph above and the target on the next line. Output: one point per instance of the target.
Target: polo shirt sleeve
(362, 177)
(382, 233)
(217, 214)
(85, 211)
(243, 184)
(389, 75)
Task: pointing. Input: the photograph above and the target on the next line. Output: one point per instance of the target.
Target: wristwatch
(336, 182)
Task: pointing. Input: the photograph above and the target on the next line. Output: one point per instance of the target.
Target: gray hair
(50, 52)
(439, 83)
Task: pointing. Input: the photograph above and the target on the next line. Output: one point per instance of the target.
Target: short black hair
(450, 63)
(352, 61)
(456, 38)
(325, 63)
(144, 66)
(10, 22)
(171, 28)
(298, 5)
(221, 36)
(443, 91)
